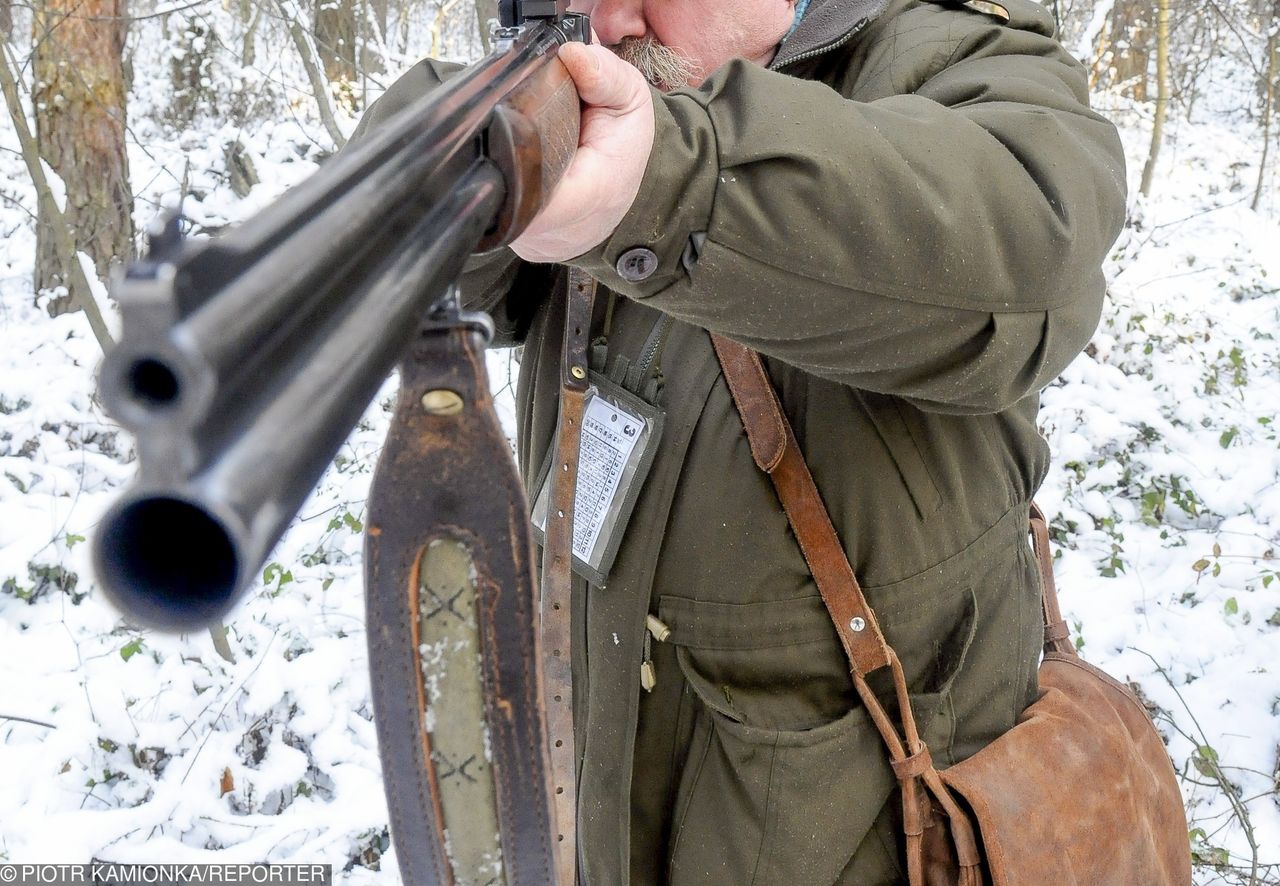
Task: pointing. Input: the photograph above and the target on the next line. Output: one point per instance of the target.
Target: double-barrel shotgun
(245, 362)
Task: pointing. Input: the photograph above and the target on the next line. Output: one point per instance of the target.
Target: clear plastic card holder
(620, 434)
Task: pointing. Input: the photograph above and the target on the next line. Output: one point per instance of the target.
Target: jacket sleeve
(497, 282)
(944, 246)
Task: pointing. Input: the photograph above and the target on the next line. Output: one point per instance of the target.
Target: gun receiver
(246, 360)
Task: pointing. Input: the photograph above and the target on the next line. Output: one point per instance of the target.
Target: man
(904, 207)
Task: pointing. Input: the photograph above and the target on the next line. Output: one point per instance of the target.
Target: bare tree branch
(307, 52)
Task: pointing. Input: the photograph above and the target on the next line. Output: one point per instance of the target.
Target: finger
(603, 80)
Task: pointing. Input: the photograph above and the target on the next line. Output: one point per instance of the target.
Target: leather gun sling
(774, 448)
(452, 628)
(557, 573)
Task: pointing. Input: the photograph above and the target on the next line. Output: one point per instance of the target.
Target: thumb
(602, 79)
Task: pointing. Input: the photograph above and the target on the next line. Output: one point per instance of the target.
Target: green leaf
(1205, 760)
(353, 522)
(1228, 436)
(1231, 607)
(1200, 565)
(72, 540)
(130, 649)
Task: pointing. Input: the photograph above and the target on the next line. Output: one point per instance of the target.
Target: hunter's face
(701, 34)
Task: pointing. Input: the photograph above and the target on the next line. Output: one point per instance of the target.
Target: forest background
(255, 741)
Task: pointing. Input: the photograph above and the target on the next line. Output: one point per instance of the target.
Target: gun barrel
(177, 556)
(272, 275)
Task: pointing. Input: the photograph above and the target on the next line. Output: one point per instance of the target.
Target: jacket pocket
(779, 788)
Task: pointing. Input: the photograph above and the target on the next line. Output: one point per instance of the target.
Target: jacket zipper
(827, 47)
(652, 347)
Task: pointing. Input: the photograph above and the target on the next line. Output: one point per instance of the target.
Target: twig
(17, 204)
(213, 726)
(118, 18)
(17, 719)
(1215, 771)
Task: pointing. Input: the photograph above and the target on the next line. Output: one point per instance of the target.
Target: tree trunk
(61, 233)
(1162, 94)
(79, 98)
(1268, 108)
(371, 37)
(335, 35)
(1130, 46)
(485, 10)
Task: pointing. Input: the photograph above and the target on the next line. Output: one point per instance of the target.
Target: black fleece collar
(826, 24)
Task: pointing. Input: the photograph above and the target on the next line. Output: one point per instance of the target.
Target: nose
(614, 19)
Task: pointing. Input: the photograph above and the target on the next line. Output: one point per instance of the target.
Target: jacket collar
(826, 24)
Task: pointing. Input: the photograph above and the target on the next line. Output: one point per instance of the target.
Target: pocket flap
(709, 625)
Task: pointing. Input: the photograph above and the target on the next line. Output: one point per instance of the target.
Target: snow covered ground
(121, 744)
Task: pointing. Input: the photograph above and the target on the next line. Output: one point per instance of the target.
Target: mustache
(662, 66)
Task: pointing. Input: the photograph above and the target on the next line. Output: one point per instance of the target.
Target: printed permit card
(620, 434)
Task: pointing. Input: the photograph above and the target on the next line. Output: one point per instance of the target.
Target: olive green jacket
(906, 214)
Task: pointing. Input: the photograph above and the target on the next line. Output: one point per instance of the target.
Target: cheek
(712, 31)
(706, 35)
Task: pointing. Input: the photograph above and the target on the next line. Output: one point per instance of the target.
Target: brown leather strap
(915, 765)
(557, 573)
(775, 450)
(430, 786)
(1057, 637)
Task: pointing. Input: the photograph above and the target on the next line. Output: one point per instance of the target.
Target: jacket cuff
(657, 241)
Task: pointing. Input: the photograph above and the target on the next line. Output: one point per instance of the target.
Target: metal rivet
(578, 372)
(857, 624)
(442, 401)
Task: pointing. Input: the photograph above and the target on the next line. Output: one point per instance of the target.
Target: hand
(603, 178)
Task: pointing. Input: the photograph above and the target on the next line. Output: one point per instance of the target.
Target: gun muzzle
(168, 562)
(217, 491)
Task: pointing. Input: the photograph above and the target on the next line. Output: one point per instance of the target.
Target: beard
(662, 66)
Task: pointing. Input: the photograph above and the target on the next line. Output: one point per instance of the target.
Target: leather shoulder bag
(1079, 791)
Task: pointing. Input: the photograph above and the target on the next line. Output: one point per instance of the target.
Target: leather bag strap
(1056, 634)
(774, 448)
(776, 452)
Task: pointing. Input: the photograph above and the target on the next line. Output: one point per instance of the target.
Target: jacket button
(637, 264)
